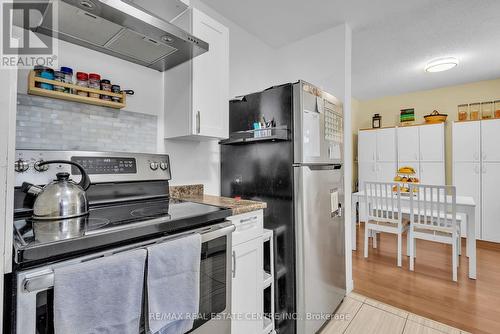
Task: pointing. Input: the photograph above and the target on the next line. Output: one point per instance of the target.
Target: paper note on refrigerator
(312, 135)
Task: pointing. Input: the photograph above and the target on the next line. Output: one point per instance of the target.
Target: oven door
(34, 288)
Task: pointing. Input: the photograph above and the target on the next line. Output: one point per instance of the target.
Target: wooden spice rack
(33, 90)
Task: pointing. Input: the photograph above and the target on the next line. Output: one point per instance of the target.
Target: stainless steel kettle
(62, 198)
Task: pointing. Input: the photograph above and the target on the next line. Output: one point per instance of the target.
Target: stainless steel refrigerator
(286, 148)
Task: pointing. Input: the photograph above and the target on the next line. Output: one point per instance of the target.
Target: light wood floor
(361, 315)
(471, 305)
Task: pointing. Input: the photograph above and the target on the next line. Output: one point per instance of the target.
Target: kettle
(62, 198)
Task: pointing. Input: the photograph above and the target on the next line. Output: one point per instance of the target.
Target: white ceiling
(392, 39)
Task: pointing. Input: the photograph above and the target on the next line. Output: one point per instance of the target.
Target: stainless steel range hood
(124, 30)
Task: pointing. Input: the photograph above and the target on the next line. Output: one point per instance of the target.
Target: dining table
(465, 206)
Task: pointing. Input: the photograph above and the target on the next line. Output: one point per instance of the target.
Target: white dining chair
(433, 217)
(383, 213)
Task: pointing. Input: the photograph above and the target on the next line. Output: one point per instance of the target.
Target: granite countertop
(194, 193)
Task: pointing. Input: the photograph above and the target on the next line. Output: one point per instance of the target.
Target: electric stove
(129, 201)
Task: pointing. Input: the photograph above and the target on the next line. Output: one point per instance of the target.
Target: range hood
(124, 30)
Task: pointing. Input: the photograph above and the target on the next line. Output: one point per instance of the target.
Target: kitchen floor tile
(412, 327)
(375, 321)
(344, 315)
(433, 324)
(357, 296)
(385, 307)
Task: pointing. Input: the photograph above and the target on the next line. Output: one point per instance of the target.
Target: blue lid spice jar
(68, 78)
(46, 73)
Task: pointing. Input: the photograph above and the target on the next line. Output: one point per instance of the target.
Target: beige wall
(445, 100)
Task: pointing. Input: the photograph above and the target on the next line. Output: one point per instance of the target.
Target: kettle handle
(84, 182)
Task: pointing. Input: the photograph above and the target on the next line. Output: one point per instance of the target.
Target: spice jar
(474, 111)
(115, 89)
(59, 76)
(463, 110)
(68, 78)
(106, 86)
(95, 83)
(497, 109)
(82, 80)
(486, 110)
(47, 74)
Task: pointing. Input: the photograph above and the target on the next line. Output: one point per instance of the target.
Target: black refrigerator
(294, 163)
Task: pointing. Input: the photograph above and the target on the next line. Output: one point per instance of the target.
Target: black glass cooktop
(107, 226)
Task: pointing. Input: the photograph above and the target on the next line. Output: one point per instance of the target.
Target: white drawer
(249, 225)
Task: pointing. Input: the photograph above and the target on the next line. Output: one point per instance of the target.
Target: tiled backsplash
(44, 123)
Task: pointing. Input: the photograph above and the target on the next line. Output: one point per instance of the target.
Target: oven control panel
(102, 167)
(105, 165)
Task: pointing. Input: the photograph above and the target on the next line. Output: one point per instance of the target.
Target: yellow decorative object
(405, 176)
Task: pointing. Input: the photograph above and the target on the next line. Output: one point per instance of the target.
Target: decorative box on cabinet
(197, 92)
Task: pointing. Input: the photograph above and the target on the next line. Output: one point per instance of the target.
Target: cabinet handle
(476, 169)
(198, 122)
(234, 264)
(484, 156)
(248, 219)
(476, 156)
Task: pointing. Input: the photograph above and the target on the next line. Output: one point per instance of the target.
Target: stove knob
(21, 166)
(41, 169)
(153, 165)
(163, 165)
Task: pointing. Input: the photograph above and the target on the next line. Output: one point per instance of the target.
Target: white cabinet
(466, 141)
(197, 92)
(467, 180)
(367, 146)
(367, 172)
(386, 145)
(247, 297)
(408, 143)
(376, 155)
(431, 142)
(377, 145)
(386, 171)
(382, 151)
(432, 173)
(490, 137)
(490, 206)
(247, 278)
(476, 172)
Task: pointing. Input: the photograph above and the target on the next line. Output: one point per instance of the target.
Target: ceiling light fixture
(441, 64)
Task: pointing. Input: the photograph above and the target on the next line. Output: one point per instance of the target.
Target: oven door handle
(46, 280)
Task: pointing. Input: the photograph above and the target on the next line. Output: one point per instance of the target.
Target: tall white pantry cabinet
(382, 151)
(476, 172)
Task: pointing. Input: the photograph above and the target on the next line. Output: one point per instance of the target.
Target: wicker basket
(435, 117)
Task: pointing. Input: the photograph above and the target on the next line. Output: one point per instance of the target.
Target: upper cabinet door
(490, 131)
(386, 145)
(367, 146)
(408, 144)
(431, 142)
(466, 141)
(211, 78)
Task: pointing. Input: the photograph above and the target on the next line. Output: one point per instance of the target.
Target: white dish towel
(100, 296)
(173, 285)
